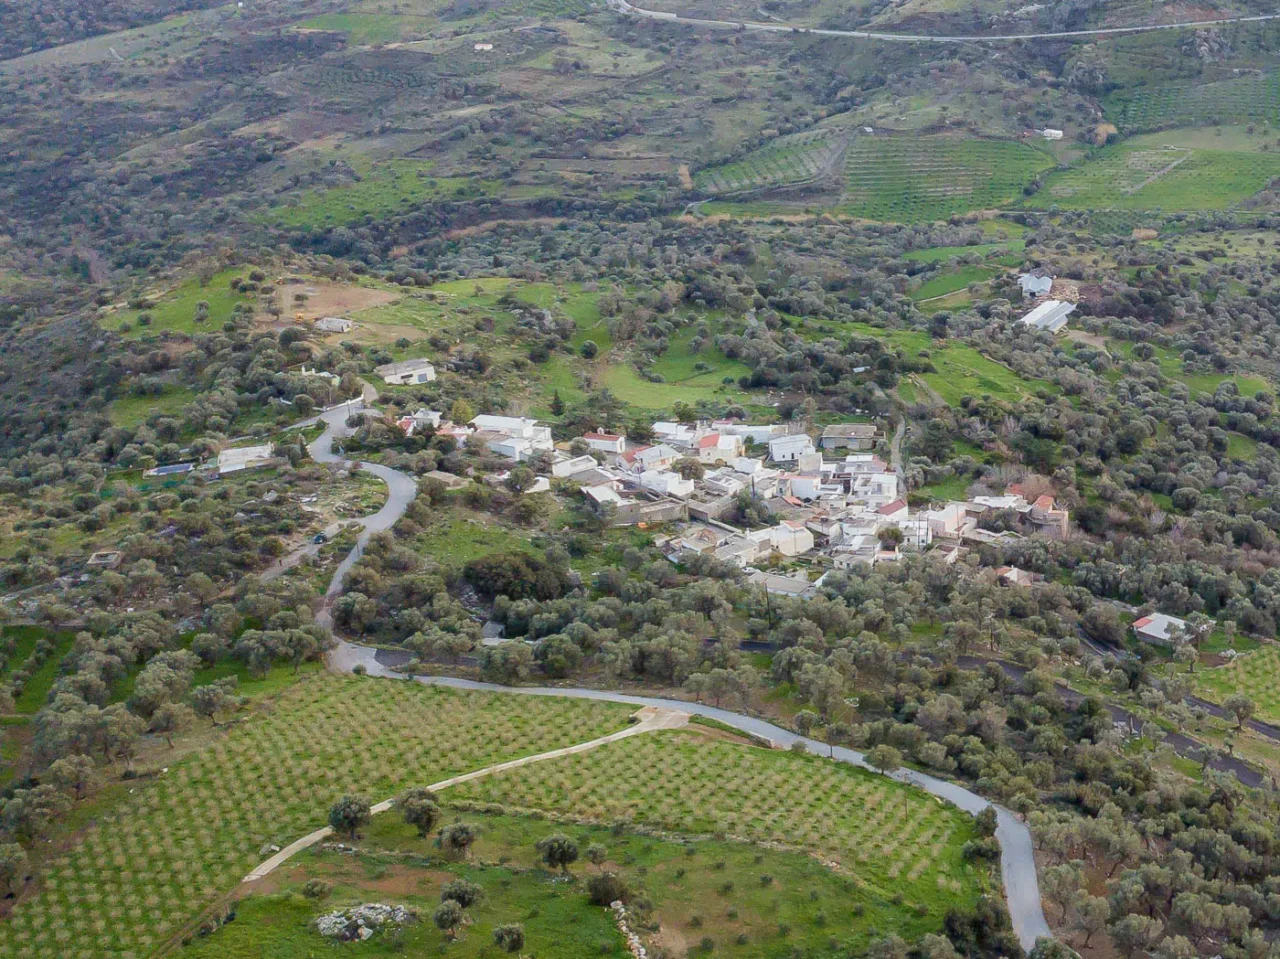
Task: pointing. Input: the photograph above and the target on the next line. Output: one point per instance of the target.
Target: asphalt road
(1017, 859)
(622, 6)
(401, 489)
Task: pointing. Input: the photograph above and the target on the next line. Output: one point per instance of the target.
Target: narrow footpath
(648, 719)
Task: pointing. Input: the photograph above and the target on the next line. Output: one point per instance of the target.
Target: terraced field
(181, 839)
(918, 179)
(790, 159)
(892, 839)
(1256, 675)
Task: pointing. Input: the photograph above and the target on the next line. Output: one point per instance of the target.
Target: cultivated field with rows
(1161, 171)
(180, 840)
(790, 159)
(1256, 675)
(893, 839)
(917, 179)
(1244, 99)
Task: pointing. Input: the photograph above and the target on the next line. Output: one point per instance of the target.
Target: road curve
(1017, 858)
(401, 489)
(622, 6)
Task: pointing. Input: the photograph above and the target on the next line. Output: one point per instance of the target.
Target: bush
(462, 891)
(316, 889)
(606, 888)
(509, 938)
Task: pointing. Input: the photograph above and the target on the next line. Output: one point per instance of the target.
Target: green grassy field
(370, 28)
(175, 309)
(961, 370)
(36, 689)
(1255, 674)
(937, 254)
(952, 281)
(1171, 366)
(148, 864)
(1174, 170)
(802, 905)
(915, 179)
(134, 410)
(890, 838)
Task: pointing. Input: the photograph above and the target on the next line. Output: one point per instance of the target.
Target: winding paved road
(401, 489)
(623, 7)
(1017, 858)
(1017, 852)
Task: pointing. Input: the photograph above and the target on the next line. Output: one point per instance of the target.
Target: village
(828, 501)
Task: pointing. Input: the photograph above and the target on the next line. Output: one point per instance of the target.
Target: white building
(569, 465)
(483, 47)
(1033, 285)
(426, 417)
(1051, 315)
(658, 457)
(719, 448)
(606, 442)
(677, 434)
(333, 324)
(1049, 133)
(755, 432)
(788, 449)
(666, 483)
(790, 538)
(791, 587)
(333, 378)
(874, 489)
(407, 372)
(519, 427)
(1158, 628)
(244, 458)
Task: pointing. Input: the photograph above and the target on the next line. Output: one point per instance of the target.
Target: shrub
(462, 891)
(509, 938)
(606, 888)
(316, 889)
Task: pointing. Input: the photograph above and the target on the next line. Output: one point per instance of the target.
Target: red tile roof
(892, 507)
(1139, 623)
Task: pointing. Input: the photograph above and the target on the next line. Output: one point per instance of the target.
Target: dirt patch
(713, 735)
(324, 298)
(686, 178)
(1091, 339)
(670, 942)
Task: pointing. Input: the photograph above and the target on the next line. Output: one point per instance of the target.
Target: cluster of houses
(829, 496)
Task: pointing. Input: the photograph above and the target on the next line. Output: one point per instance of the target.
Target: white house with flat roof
(788, 449)
(407, 372)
